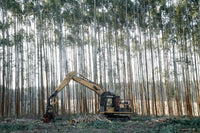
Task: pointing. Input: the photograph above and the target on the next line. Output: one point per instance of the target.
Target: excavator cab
(110, 104)
(114, 107)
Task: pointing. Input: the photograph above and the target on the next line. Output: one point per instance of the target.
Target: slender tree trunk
(38, 64)
(46, 61)
(95, 56)
(109, 60)
(143, 86)
(161, 83)
(27, 76)
(175, 67)
(65, 50)
(117, 50)
(35, 69)
(154, 104)
(3, 74)
(187, 92)
(8, 67)
(197, 80)
(41, 66)
(104, 51)
(61, 56)
(130, 81)
(108, 47)
(148, 97)
(182, 63)
(162, 89)
(124, 67)
(22, 79)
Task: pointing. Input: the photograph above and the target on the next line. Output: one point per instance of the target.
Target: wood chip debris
(88, 118)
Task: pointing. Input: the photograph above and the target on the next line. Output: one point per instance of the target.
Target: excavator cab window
(109, 102)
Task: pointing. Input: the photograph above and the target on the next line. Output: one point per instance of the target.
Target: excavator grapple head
(50, 115)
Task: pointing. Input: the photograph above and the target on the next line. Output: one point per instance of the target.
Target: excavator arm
(76, 77)
(86, 82)
(60, 87)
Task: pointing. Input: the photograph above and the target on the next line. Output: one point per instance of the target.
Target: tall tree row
(146, 51)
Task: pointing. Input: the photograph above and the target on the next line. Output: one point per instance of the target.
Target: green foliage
(9, 127)
(100, 125)
(141, 118)
(176, 125)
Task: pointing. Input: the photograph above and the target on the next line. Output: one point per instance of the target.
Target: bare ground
(99, 124)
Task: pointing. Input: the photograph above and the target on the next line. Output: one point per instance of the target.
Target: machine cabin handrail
(78, 78)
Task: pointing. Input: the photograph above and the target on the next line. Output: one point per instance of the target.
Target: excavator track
(117, 118)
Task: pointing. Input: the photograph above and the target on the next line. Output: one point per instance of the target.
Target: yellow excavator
(111, 105)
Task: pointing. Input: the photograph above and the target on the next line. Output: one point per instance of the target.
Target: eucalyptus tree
(46, 19)
(16, 11)
(194, 20)
(6, 43)
(82, 59)
(116, 43)
(40, 54)
(142, 26)
(109, 28)
(173, 41)
(159, 19)
(75, 32)
(139, 14)
(95, 45)
(4, 63)
(129, 62)
(199, 25)
(147, 77)
(60, 50)
(28, 10)
(199, 52)
(9, 81)
(154, 103)
(188, 103)
(68, 18)
(103, 18)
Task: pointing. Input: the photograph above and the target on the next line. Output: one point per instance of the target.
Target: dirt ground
(99, 124)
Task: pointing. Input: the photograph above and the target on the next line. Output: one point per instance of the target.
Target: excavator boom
(91, 85)
(80, 79)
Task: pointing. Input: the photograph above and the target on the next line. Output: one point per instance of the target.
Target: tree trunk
(129, 68)
(117, 51)
(3, 74)
(146, 63)
(154, 104)
(61, 56)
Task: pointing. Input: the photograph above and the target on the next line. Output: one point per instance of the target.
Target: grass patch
(100, 125)
(9, 127)
(180, 125)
